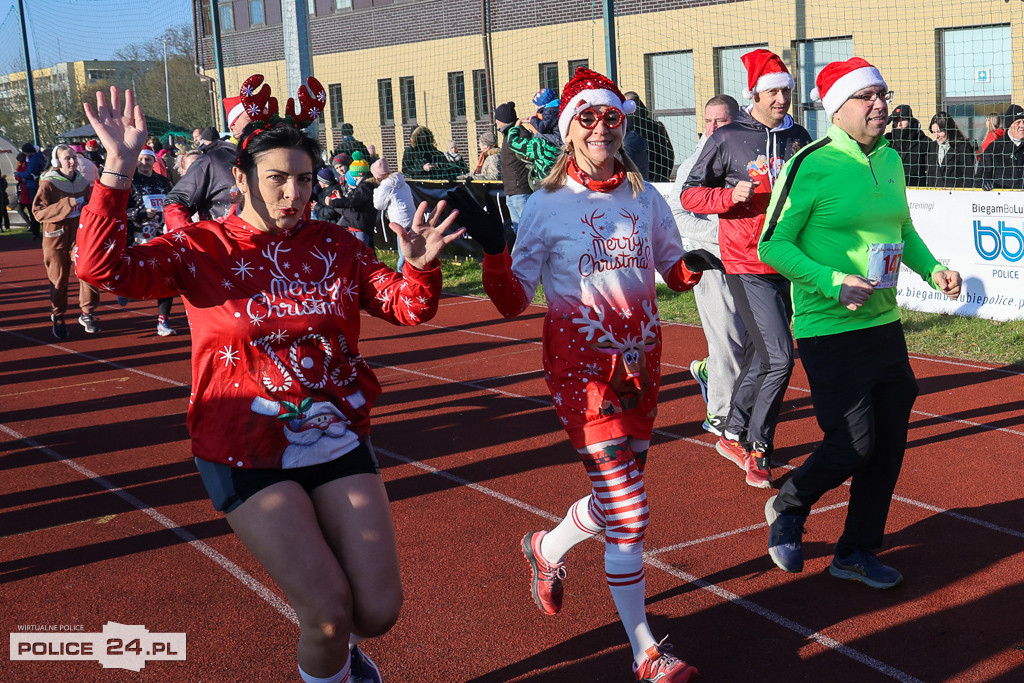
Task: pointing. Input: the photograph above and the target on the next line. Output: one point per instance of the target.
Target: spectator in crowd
(94, 151)
(453, 154)
(1002, 163)
(423, 161)
(158, 165)
(328, 188)
(515, 173)
(340, 163)
(717, 373)
(993, 129)
(635, 147)
(58, 202)
(355, 207)
(348, 142)
(394, 197)
(488, 164)
(659, 147)
(185, 160)
(545, 122)
(910, 143)
(197, 138)
(23, 203)
(5, 220)
(951, 157)
(35, 166)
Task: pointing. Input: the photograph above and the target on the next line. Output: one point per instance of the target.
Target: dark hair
(727, 100)
(280, 136)
(947, 125)
(20, 157)
(346, 129)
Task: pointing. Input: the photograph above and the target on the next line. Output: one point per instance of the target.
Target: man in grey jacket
(717, 373)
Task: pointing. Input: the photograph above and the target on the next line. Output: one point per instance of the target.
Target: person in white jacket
(394, 197)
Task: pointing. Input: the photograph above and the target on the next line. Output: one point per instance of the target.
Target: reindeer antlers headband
(263, 109)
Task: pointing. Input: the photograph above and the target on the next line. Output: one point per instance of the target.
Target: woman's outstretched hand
(425, 240)
(123, 134)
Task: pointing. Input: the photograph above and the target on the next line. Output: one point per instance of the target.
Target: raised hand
(424, 241)
(123, 133)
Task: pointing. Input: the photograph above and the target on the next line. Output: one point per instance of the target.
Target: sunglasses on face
(612, 117)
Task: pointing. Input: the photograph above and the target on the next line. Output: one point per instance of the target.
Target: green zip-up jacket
(829, 205)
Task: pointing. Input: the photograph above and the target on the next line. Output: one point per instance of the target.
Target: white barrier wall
(980, 234)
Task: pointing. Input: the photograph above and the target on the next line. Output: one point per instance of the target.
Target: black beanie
(1013, 112)
(506, 113)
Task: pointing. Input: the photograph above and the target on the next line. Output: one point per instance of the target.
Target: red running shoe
(661, 667)
(546, 581)
(758, 466)
(733, 450)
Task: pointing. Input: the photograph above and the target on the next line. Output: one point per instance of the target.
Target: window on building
(481, 102)
(94, 75)
(574, 63)
(456, 96)
(385, 102)
(311, 7)
(256, 12)
(671, 97)
(548, 75)
(407, 92)
(334, 101)
(227, 17)
(976, 75)
(811, 58)
(730, 74)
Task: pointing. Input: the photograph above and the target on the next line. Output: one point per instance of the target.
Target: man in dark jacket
(515, 174)
(661, 157)
(1002, 162)
(910, 143)
(348, 142)
(35, 166)
(733, 177)
(206, 188)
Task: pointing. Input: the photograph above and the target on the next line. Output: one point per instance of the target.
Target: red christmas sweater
(277, 379)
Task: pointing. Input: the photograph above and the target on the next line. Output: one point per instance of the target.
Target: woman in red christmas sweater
(279, 411)
(594, 235)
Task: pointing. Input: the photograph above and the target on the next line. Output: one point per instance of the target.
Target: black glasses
(870, 97)
(611, 116)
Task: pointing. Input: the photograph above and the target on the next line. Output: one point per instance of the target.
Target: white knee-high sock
(340, 677)
(624, 566)
(578, 525)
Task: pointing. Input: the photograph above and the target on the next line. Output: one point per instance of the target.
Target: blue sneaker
(863, 566)
(362, 669)
(699, 370)
(714, 424)
(784, 544)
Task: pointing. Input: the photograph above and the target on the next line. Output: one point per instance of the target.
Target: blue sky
(70, 30)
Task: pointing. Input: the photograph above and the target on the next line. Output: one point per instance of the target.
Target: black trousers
(862, 389)
(763, 304)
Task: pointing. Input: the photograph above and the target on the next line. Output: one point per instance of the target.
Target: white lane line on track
(712, 588)
(661, 432)
(163, 520)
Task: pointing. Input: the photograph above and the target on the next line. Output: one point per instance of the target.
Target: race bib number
(154, 201)
(884, 264)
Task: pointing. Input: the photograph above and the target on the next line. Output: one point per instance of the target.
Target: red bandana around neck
(581, 177)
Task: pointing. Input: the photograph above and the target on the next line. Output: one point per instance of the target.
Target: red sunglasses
(611, 116)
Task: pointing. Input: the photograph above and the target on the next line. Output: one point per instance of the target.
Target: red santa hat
(839, 80)
(765, 70)
(587, 89)
(234, 108)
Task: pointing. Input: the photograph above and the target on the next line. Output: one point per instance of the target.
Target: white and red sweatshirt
(277, 379)
(596, 254)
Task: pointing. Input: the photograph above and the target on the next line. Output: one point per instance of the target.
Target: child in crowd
(393, 196)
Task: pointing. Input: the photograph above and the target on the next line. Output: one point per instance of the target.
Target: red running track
(103, 517)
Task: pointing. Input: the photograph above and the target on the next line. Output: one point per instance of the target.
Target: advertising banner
(980, 234)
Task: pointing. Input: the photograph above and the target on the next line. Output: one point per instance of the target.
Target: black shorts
(229, 486)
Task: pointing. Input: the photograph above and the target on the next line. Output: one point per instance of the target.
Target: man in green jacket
(838, 227)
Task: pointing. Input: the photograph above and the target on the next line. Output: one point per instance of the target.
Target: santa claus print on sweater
(278, 380)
